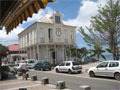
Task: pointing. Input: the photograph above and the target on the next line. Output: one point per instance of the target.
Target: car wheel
(91, 74)
(117, 76)
(79, 71)
(35, 68)
(42, 69)
(50, 69)
(69, 71)
(57, 70)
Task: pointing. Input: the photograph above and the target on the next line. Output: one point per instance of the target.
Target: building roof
(14, 47)
(3, 53)
(48, 19)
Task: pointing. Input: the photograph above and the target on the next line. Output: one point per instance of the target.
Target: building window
(50, 35)
(23, 41)
(28, 39)
(31, 38)
(42, 35)
(72, 35)
(57, 19)
(35, 36)
(65, 34)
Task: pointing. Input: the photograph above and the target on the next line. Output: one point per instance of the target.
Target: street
(73, 81)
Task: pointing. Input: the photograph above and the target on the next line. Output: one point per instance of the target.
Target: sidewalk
(15, 84)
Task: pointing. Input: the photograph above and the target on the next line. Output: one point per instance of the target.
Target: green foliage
(105, 27)
(52, 49)
(97, 51)
(16, 57)
(74, 51)
(3, 48)
(5, 69)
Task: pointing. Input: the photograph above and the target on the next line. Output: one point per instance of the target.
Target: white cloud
(12, 37)
(86, 11)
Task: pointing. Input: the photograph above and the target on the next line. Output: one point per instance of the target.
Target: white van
(30, 63)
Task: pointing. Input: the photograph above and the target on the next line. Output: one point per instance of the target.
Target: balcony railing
(50, 40)
(42, 40)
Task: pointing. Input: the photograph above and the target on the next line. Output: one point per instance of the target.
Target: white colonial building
(48, 38)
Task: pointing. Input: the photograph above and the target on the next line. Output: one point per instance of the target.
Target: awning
(23, 11)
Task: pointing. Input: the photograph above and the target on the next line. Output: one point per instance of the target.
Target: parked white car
(106, 68)
(69, 66)
(30, 63)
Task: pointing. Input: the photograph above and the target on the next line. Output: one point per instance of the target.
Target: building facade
(15, 54)
(48, 38)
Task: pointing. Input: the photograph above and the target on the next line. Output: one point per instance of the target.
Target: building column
(27, 52)
(30, 53)
(34, 52)
(47, 52)
(63, 52)
(38, 52)
(70, 52)
(55, 55)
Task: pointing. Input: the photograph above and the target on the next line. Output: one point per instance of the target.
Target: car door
(62, 67)
(101, 69)
(111, 68)
(67, 66)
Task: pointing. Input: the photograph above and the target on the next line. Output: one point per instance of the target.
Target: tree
(97, 51)
(3, 49)
(105, 28)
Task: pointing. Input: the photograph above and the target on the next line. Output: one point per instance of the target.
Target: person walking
(23, 71)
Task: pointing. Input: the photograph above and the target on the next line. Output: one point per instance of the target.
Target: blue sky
(76, 12)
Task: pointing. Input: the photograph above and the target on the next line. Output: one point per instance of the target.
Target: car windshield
(75, 63)
(46, 63)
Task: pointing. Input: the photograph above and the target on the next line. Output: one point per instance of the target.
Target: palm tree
(71, 51)
(97, 51)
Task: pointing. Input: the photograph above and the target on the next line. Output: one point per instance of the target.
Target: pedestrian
(23, 71)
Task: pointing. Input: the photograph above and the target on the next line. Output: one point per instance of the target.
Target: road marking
(14, 83)
(16, 88)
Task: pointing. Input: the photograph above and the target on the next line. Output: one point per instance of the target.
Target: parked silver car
(106, 68)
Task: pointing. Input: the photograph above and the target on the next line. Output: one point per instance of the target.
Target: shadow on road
(102, 77)
(10, 77)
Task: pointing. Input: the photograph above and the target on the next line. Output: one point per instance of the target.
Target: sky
(75, 12)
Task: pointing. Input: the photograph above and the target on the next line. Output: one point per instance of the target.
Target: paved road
(74, 81)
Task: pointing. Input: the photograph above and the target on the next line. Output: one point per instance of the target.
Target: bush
(4, 71)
